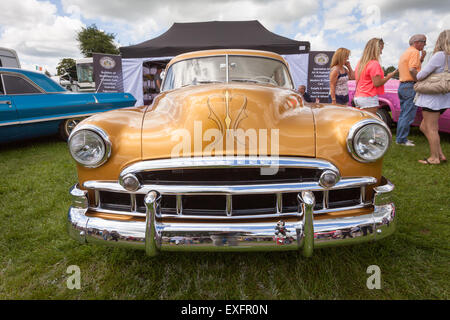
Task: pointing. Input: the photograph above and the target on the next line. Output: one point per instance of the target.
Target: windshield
(248, 69)
(85, 72)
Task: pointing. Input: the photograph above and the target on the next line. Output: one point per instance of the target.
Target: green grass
(35, 249)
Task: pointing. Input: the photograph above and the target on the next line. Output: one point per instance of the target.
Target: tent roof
(186, 37)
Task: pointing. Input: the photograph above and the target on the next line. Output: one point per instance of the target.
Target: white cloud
(42, 35)
(354, 22)
(396, 32)
(317, 40)
(37, 33)
(142, 19)
(339, 16)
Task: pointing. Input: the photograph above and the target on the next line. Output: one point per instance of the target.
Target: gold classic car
(230, 158)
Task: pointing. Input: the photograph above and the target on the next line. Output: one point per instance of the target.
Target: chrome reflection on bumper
(155, 235)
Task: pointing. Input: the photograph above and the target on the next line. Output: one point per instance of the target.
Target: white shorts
(366, 102)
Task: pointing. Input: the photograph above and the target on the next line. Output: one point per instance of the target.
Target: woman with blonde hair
(369, 76)
(340, 72)
(433, 105)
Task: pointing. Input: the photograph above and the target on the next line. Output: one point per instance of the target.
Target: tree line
(90, 39)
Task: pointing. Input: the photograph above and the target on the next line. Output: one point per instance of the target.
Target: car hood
(228, 119)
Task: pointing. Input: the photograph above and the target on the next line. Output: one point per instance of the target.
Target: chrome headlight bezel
(103, 136)
(353, 132)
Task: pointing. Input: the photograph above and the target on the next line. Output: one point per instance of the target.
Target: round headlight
(89, 147)
(368, 140)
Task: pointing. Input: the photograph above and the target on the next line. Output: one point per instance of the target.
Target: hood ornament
(221, 114)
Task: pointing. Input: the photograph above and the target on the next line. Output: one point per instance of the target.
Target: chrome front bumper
(154, 235)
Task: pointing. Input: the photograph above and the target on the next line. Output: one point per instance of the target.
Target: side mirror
(162, 75)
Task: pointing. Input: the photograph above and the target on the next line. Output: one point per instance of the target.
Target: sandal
(425, 161)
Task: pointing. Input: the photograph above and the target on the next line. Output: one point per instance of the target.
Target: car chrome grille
(227, 176)
(215, 205)
(229, 191)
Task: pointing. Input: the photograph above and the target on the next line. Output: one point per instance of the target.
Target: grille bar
(232, 189)
(272, 205)
(228, 162)
(179, 204)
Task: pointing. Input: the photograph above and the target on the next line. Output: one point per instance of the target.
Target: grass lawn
(35, 250)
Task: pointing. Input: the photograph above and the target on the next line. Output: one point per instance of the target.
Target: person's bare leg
(430, 127)
(442, 156)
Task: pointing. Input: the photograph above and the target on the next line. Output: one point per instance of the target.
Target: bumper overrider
(307, 233)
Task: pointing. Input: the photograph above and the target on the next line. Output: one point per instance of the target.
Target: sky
(44, 32)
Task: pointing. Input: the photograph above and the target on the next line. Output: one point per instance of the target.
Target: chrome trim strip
(79, 197)
(227, 74)
(231, 189)
(362, 194)
(49, 119)
(254, 216)
(97, 198)
(9, 123)
(152, 235)
(307, 201)
(382, 193)
(279, 202)
(123, 213)
(358, 206)
(133, 203)
(229, 205)
(179, 204)
(225, 162)
(325, 199)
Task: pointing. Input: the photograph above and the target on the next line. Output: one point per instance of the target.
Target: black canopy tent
(186, 37)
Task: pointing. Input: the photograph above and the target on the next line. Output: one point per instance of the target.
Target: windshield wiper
(246, 80)
(209, 81)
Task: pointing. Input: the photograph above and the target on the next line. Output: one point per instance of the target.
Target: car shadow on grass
(29, 143)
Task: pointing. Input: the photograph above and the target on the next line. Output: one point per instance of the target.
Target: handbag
(435, 83)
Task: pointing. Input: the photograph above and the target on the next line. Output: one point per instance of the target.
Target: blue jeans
(408, 110)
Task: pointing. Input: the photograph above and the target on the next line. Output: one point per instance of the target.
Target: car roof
(216, 52)
(37, 79)
(22, 71)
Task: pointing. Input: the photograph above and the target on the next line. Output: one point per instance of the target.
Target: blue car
(33, 105)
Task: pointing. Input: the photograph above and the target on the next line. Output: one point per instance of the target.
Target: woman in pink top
(370, 78)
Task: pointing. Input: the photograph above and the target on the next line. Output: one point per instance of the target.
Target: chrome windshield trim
(226, 162)
(230, 189)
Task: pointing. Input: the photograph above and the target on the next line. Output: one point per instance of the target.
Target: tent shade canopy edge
(186, 37)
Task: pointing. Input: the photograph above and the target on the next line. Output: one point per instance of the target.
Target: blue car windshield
(45, 82)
